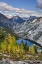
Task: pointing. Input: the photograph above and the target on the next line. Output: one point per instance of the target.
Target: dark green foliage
(35, 49)
(5, 31)
(2, 36)
(25, 45)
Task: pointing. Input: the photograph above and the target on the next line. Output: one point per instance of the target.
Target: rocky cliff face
(31, 29)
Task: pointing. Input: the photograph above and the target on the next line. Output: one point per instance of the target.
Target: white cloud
(39, 4)
(21, 12)
(28, 13)
(40, 10)
(5, 7)
(39, 1)
(0, 11)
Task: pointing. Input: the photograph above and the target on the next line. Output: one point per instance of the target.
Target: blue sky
(26, 4)
(30, 6)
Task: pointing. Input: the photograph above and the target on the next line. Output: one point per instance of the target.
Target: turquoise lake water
(28, 42)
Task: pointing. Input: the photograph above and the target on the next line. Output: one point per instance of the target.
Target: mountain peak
(17, 19)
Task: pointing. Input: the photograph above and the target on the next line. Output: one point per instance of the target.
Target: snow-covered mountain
(9, 16)
(17, 19)
(31, 29)
(10, 22)
(29, 18)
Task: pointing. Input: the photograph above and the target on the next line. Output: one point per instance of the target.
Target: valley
(20, 40)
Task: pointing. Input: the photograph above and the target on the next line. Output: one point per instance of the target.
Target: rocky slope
(31, 29)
